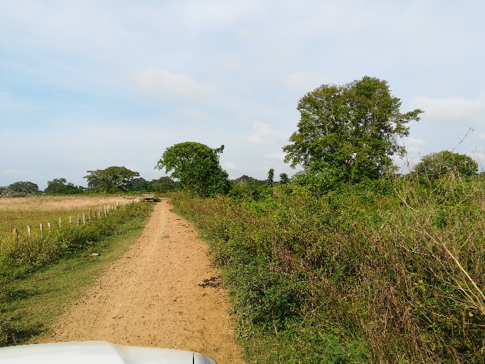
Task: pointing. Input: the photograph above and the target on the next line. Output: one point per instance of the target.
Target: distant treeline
(60, 186)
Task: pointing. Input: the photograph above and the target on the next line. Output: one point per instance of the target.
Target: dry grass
(18, 213)
(57, 203)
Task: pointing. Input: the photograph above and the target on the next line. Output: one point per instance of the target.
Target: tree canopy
(435, 165)
(62, 187)
(112, 179)
(21, 188)
(350, 129)
(197, 168)
(163, 184)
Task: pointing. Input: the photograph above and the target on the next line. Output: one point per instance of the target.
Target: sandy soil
(162, 293)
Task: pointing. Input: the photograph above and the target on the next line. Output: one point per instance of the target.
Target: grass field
(18, 213)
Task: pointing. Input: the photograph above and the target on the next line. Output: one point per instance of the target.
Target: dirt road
(162, 293)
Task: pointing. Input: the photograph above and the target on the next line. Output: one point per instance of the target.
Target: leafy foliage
(163, 185)
(60, 186)
(436, 165)
(197, 168)
(350, 129)
(270, 179)
(21, 188)
(284, 179)
(112, 179)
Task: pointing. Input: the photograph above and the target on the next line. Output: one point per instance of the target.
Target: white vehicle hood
(97, 352)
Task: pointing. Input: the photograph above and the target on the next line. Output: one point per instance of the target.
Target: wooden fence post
(41, 229)
(84, 219)
(29, 229)
(15, 235)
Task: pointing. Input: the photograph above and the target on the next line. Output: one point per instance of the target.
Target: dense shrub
(381, 271)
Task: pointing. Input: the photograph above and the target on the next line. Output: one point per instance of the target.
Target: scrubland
(386, 271)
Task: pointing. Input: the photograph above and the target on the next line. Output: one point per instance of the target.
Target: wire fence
(62, 223)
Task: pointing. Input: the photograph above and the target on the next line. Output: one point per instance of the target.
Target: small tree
(112, 179)
(435, 165)
(270, 179)
(284, 179)
(197, 168)
(351, 130)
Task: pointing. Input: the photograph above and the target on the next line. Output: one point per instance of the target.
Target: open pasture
(18, 213)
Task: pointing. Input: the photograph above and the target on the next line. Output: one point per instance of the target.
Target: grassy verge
(38, 293)
(378, 272)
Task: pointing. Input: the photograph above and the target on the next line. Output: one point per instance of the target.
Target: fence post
(70, 219)
(15, 235)
(41, 229)
(29, 230)
(84, 219)
(78, 217)
(60, 221)
(49, 226)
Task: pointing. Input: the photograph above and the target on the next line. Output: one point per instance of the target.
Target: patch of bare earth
(162, 293)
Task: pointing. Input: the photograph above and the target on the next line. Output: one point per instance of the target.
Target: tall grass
(33, 289)
(386, 272)
(25, 252)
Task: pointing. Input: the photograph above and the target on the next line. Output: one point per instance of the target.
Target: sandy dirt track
(163, 293)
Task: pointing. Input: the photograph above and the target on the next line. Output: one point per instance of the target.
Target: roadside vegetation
(388, 271)
(28, 266)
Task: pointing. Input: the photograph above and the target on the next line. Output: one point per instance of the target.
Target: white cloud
(480, 136)
(231, 166)
(452, 110)
(264, 135)
(302, 82)
(413, 145)
(181, 86)
(275, 156)
(195, 114)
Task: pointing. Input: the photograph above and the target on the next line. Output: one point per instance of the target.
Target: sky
(89, 84)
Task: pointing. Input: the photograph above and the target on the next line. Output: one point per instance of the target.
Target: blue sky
(88, 84)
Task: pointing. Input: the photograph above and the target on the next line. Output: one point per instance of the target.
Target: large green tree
(435, 165)
(349, 130)
(22, 188)
(112, 179)
(197, 168)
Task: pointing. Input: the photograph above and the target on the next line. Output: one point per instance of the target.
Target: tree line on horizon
(60, 186)
(348, 133)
